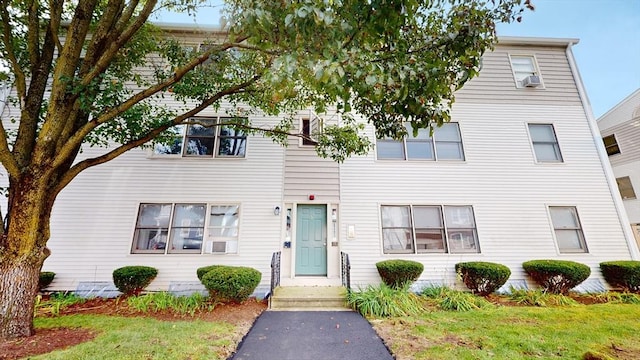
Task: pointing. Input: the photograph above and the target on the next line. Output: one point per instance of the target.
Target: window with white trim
(626, 188)
(545, 144)
(310, 128)
(445, 144)
(411, 229)
(206, 137)
(186, 228)
(567, 229)
(611, 144)
(523, 66)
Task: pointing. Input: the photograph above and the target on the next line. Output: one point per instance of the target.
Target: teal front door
(311, 240)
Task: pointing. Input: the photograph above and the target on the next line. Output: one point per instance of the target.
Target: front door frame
(321, 272)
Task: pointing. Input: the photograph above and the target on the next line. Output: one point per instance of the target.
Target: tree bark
(22, 253)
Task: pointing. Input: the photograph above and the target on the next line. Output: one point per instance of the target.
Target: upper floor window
(567, 228)
(204, 137)
(445, 144)
(428, 229)
(310, 128)
(525, 71)
(545, 143)
(611, 144)
(625, 187)
(186, 228)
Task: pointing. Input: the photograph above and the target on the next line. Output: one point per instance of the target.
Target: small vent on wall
(531, 81)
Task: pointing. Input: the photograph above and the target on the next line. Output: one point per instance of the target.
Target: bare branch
(55, 7)
(6, 158)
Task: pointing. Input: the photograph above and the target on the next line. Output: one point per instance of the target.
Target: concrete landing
(318, 298)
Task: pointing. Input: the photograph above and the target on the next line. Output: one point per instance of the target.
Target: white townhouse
(620, 129)
(520, 173)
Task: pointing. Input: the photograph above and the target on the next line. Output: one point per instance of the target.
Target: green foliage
(231, 283)
(55, 303)
(131, 280)
(557, 276)
(205, 269)
(483, 278)
(160, 301)
(540, 298)
(618, 298)
(46, 278)
(623, 274)
(398, 273)
(452, 300)
(385, 301)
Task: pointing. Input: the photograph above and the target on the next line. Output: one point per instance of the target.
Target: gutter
(604, 158)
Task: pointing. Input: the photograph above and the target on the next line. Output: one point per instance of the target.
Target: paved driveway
(312, 335)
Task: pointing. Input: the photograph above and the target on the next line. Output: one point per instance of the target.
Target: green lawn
(145, 338)
(516, 333)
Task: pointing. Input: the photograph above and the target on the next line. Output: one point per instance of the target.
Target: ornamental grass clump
(449, 299)
(540, 298)
(131, 280)
(482, 278)
(622, 274)
(231, 283)
(398, 273)
(557, 276)
(385, 301)
(46, 278)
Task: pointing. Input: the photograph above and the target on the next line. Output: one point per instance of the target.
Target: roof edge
(544, 41)
(622, 102)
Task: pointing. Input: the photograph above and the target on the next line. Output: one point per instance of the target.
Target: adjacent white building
(520, 173)
(620, 129)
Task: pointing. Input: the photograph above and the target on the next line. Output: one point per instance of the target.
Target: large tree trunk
(22, 253)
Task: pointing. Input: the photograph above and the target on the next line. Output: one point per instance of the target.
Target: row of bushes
(224, 283)
(483, 278)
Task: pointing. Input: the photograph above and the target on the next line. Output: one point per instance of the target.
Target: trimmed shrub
(557, 276)
(231, 283)
(398, 273)
(131, 280)
(622, 274)
(205, 269)
(46, 278)
(483, 278)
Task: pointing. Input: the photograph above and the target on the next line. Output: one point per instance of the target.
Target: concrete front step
(309, 298)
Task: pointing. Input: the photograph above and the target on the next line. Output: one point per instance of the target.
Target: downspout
(604, 158)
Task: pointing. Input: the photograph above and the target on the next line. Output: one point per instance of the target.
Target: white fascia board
(539, 41)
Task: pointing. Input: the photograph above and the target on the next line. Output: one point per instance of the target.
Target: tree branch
(33, 35)
(76, 139)
(6, 158)
(21, 83)
(85, 164)
(55, 7)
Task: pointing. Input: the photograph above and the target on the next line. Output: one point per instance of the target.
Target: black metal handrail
(275, 271)
(346, 270)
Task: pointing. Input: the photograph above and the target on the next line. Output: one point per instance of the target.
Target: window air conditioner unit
(531, 81)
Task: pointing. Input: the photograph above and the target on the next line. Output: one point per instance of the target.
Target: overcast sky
(608, 54)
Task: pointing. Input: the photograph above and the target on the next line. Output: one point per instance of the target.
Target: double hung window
(411, 229)
(186, 228)
(567, 228)
(206, 137)
(545, 143)
(611, 144)
(445, 144)
(523, 66)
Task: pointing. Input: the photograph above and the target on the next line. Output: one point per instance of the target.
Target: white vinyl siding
(509, 192)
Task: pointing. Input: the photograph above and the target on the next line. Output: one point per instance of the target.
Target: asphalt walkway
(312, 335)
